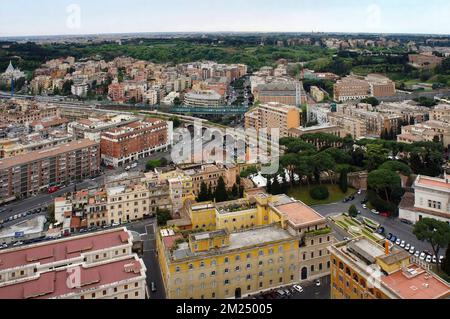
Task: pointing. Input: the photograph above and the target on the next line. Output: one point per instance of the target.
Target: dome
(10, 68)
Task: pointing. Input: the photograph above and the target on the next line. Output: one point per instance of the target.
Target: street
(391, 225)
(146, 229)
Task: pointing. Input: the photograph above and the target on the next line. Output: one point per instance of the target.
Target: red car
(53, 189)
(385, 214)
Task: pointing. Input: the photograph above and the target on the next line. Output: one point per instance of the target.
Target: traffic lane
(391, 225)
(41, 200)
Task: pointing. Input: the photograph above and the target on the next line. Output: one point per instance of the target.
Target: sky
(61, 17)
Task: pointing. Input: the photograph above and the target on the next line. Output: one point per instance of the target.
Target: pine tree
(284, 185)
(343, 181)
(276, 188)
(269, 184)
(235, 191)
(210, 193)
(446, 262)
(203, 196)
(221, 194)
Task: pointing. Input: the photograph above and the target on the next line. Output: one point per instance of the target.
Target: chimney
(387, 248)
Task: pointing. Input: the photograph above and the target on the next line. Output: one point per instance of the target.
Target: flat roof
(422, 286)
(299, 214)
(41, 154)
(54, 251)
(54, 284)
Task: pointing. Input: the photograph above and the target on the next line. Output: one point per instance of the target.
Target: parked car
(281, 293)
(403, 244)
(398, 241)
(288, 293)
(423, 256)
(434, 260)
(318, 283)
(417, 254)
(360, 192)
(3, 246)
(19, 243)
(298, 288)
(441, 259)
(375, 212)
(364, 206)
(412, 250)
(394, 239)
(408, 247)
(429, 259)
(115, 225)
(389, 236)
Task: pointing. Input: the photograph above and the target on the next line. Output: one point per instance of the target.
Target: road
(392, 225)
(147, 229)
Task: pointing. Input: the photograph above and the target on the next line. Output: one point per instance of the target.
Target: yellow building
(244, 247)
(362, 269)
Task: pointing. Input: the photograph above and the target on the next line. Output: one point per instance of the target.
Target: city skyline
(81, 17)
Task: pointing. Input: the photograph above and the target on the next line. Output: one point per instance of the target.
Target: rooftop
(54, 284)
(38, 155)
(431, 182)
(64, 249)
(299, 214)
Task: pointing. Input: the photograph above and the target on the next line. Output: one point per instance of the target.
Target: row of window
(104, 292)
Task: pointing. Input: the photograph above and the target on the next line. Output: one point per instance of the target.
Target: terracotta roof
(432, 182)
(422, 286)
(54, 284)
(54, 251)
(300, 215)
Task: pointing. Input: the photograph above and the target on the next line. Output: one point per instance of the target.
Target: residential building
(251, 245)
(431, 199)
(349, 125)
(440, 113)
(80, 90)
(204, 98)
(31, 173)
(128, 203)
(426, 131)
(351, 88)
(422, 61)
(317, 94)
(362, 269)
(282, 92)
(129, 143)
(273, 116)
(99, 265)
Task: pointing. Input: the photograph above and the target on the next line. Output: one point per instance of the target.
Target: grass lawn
(302, 193)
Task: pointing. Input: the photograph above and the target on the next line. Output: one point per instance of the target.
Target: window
(93, 295)
(202, 276)
(238, 268)
(202, 265)
(238, 258)
(213, 273)
(213, 263)
(177, 269)
(249, 256)
(226, 260)
(249, 277)
(191, 266)
(226, 282)
(261, 253)
(227, 270)
(104, 292)
(126, 296)
(136, 293)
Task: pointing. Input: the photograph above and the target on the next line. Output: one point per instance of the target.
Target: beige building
(273, 116)
(317, 94)
(426, 131)
(348, 125)
(440, 113)
(351, 88)
(128, 203)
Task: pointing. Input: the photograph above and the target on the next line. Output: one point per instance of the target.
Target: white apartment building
(430, 200)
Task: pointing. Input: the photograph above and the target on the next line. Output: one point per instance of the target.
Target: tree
(51, 213)
(176, 122)
(397, 166)
(383, 182)
(163, 216)
(276, 187)
(203, 195)
(152, 164)
(319, 193)
(446, 261)
(343, 181)
(376, 155)
(235, 191)
(435, 232)
(352, 211)
(221, 194)
(269, 184)
(371, 100)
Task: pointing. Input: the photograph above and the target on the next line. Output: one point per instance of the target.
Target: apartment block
(273, 116)
(31, 173)
(125, 144)
(351, 88)
(362, 269)
(95, 266)
(349, 125)
(440, 113)
(244, 247)
(426, 131)
(283, 92)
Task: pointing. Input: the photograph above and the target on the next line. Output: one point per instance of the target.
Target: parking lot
(317, 289)
(401, 231)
